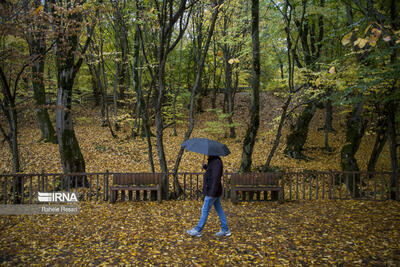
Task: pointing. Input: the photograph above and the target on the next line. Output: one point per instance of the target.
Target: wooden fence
(310, 185)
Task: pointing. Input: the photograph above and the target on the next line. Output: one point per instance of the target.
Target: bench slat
(135, 182)
(255, 182)
(255, 179)
(136, 178)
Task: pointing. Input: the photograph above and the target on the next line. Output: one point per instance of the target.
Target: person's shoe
(194, 232)
(223, 233)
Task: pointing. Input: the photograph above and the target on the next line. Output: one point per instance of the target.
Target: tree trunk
(104, 87)
(354, 133)
(228, 83)
(214, 95)
(71, 157)
(328, 114)
(142, 109)
(266, 166)
(39, 94)
(67, 41)
(381, 137)
(10, 112)
(95, 85)
(298, 134)
(36, 39)
(168, 17)
(159, 120)
(251, 133)
(115, 98)
(122, 46)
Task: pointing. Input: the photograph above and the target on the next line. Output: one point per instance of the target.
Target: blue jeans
(208, 202)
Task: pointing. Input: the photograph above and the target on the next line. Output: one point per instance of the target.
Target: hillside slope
(102, 152)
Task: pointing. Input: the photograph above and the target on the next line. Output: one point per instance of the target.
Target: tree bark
(298, 135)
(122, 46)
(137, 86)
(10, 112)
(95, 84)
(71, 156)
(36, 39)
(67, 68)
(39, 94)
(354, 133)
(251, 133)
(380, 141)
(229, 92)
(267, 165)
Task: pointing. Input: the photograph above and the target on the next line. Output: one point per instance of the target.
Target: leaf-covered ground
(350, 233)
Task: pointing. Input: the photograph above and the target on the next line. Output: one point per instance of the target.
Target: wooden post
(22, 193)
(5, 189)
(42, 180)
(97, 187)
(290, 187)
(297, 186)
(90, 188)
(184, 186)
(197, 186)
(397, 185)
(30, 190)
(107, 184)
(191, 187)
(14, 189)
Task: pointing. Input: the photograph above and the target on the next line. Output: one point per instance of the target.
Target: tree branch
(181, 32)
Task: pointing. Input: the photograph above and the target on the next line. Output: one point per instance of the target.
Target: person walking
(212, 189)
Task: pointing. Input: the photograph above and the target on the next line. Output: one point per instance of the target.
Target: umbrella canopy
(206, 146)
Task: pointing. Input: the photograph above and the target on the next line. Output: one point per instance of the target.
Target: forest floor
(123, 154)
(309, 233)
(318, 232)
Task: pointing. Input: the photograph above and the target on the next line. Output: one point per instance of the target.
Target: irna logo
(57, 197)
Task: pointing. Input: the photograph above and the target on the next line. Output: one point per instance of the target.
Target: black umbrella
(206, 146)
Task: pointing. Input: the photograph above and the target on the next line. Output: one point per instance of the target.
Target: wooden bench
(256, 182)
(136, 182)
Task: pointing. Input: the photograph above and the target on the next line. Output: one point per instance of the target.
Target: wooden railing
(310, 185)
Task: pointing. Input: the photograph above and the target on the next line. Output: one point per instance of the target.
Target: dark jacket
(212, 186)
